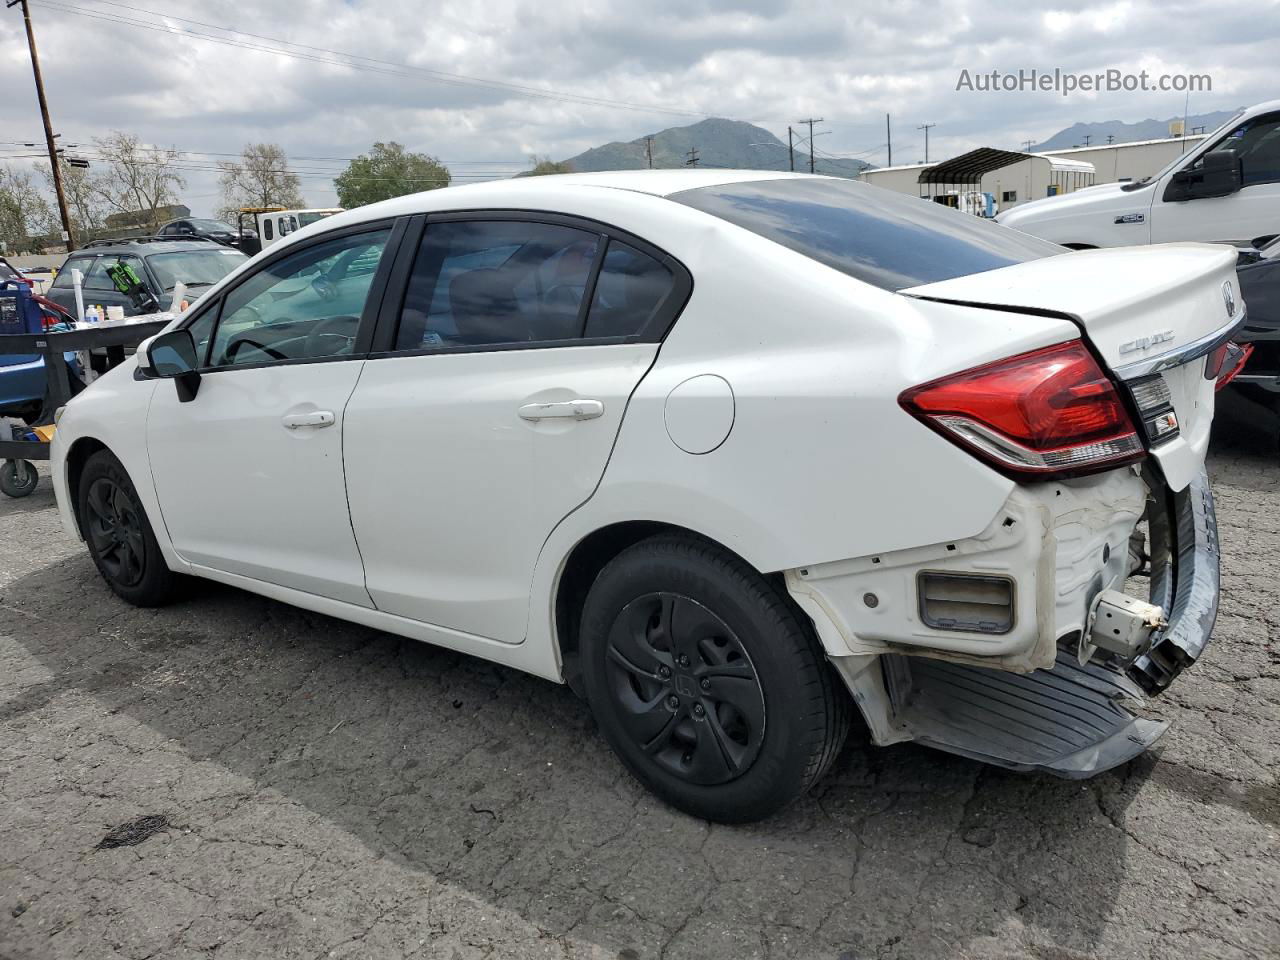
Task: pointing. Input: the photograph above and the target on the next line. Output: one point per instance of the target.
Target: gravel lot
(321, 790)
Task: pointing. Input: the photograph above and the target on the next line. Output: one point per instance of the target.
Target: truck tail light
(1050, 412)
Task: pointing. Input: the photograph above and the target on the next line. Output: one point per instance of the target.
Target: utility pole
(1087, 138)
(1111, 138)
(791, 150)
(1026, 145)
(925, 127)
(648, 149)
(888, 136)
(811, 121)
(693, 157)
(48, 126)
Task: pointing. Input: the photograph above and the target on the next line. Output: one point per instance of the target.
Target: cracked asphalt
(319, 790)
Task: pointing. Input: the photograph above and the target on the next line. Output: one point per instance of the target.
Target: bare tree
(137, 179)
(260, 178)
(84, 198)
(25, 215)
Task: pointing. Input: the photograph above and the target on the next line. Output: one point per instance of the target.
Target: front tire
(706, 683)
(119, 535)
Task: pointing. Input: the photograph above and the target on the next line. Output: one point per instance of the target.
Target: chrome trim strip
(1184, 354)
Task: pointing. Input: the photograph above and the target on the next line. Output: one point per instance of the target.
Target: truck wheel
(18, 478)
(119, 535)
(706, 683)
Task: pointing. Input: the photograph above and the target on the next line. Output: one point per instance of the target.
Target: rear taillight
(1225, 362)
(1050, 412)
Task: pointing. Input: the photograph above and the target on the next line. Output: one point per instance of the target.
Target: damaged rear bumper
(1068, 718)
(1185, 580)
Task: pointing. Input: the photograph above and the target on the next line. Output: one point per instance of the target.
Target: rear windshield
(884, 238)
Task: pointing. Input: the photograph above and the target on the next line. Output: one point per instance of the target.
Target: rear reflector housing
(1048, 413)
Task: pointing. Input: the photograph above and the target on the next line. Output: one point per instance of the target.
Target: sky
(484, 86)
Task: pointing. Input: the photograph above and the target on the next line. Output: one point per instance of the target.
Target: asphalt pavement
(231, 777)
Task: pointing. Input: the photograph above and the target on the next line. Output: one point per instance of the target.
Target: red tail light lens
(1050, 412)
(1224, 363)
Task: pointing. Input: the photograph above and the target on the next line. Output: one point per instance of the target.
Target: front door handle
(317, 418)
(566, 409)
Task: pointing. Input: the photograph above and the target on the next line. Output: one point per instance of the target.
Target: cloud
(769, 61)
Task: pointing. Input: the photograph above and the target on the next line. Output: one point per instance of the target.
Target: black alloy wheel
(687, 691)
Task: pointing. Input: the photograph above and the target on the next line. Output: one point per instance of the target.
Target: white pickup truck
(1226, 190)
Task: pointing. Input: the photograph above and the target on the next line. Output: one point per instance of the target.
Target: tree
(388, 171)
(137, 179)
(544, 166)
(261, 178)
(24, 212)
(84, 198)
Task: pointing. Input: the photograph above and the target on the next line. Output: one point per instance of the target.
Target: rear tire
(706, 683)
(119, 536)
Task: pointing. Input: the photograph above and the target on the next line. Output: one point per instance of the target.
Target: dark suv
(219, 231)
(160, 264)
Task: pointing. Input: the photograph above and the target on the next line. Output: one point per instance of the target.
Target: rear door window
(883, 238)
(489, 282)
(630, 290)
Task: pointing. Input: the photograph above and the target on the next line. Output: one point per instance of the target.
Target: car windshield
(7, 272)
(214, 226)
(195, 268)
(878, 236)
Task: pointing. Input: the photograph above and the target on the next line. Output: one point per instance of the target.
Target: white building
(1010, 178)
(1014, 178)
(1117, 162)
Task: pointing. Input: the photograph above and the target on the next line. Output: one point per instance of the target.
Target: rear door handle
(317, 418)
(566, 409)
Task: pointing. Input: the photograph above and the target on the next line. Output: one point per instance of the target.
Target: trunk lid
(1153, 311)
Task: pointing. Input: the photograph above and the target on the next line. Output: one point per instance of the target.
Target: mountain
(720, 143)
(1074, 135)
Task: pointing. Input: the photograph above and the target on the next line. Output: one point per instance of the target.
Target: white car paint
(432, 508)
(1122, 214)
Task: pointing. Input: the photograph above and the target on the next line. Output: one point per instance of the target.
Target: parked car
(716, 448)
(160, 263)
(1259, 380)
(219, 231)
(1226, 190)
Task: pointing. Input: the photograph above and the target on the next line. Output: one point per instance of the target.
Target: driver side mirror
(172, 356)
(1219, 175)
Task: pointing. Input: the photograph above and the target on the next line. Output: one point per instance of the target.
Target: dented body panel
(1061, 544)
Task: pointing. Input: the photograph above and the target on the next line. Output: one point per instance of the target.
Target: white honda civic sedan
(726, 451)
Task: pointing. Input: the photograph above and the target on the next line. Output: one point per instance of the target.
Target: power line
(352, 61)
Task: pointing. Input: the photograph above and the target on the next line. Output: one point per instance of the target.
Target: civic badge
(1229, 298)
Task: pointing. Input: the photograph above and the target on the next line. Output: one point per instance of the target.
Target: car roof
(146, 246)
(531, 192)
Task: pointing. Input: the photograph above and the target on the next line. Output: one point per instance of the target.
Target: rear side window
(632, 286)
(883, 238)
(64, 278)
